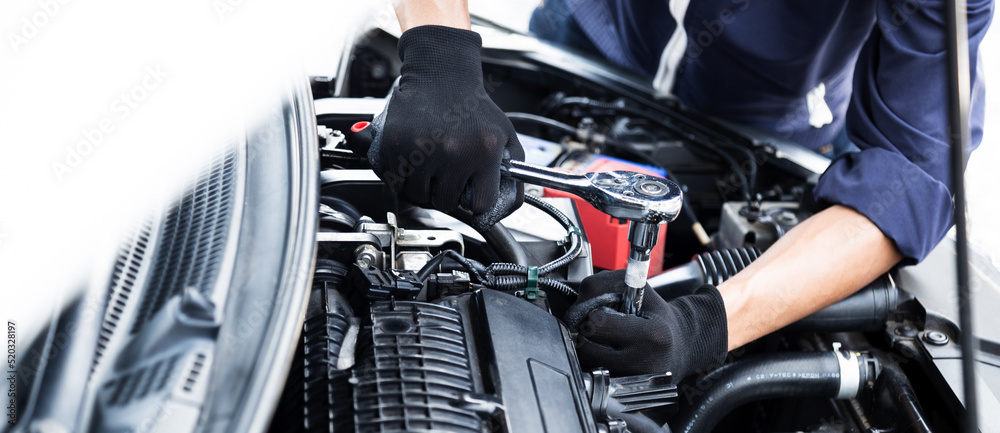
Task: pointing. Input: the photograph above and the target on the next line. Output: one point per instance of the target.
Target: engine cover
(422, 367)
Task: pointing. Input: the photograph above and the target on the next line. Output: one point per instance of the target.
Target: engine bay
(416, 322)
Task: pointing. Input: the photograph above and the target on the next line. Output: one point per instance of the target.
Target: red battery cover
(611, 234)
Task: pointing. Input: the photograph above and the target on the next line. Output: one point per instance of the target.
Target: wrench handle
(544, 176)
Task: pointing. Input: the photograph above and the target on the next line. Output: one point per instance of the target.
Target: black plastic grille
(192, 238)
(415, 370)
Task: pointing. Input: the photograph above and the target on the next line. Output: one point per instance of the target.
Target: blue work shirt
(882, 64)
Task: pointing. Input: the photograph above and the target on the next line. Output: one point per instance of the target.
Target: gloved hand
(681, 336)
(441, 139)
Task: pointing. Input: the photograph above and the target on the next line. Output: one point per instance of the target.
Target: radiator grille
(193, 237)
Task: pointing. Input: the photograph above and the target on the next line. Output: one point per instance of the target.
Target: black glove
(441, 138)
(681, 336)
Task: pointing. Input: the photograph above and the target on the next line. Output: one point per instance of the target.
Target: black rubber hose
(778, 375)
(910, 416)
(341, 206)
(712, 267)
(506, 247)
(867, 310)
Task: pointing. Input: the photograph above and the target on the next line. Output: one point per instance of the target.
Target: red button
(360, 126)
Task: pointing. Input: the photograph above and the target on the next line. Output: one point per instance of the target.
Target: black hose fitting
(836, 374)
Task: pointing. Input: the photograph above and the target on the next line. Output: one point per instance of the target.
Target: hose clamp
(850, 372)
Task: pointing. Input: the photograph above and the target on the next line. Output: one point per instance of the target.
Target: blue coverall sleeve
(898, 117)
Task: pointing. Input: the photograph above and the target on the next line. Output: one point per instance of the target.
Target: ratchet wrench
(645, 201)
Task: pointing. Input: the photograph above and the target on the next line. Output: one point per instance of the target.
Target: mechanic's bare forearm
(450, 13)
(821, 261)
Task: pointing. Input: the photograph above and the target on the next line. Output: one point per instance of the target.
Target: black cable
(747, 185)
(496, 282)
(514, 282)
(576, 243)
(511, 276)
(515, 116)
(685, 206)
(475, 268)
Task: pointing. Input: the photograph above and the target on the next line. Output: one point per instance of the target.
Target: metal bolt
(787, 218)
(366, 255)
(651, 188)
(936, 338)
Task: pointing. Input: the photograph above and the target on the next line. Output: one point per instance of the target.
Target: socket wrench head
(635, 196)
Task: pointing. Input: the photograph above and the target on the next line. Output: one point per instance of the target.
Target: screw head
(365, 255)
(936, 338)
(650, 188)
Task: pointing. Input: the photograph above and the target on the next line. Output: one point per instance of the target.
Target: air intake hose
(864, 311)
(712, 267)
(836, 374)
